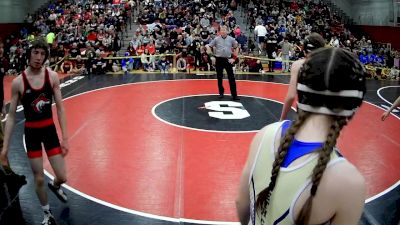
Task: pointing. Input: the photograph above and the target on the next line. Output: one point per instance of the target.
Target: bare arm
(210, 46)
(243, 198)
(60, 112)
(395, 105)
(291, 94)
(71, 67)
(236, 48)
(350, 198)
(15, 97)
(235, 52)
(62, 68)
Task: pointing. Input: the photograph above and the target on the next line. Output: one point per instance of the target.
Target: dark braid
(264, 196)
(324, 157)
(325, 69)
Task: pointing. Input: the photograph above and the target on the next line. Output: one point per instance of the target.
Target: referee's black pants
(220, 65)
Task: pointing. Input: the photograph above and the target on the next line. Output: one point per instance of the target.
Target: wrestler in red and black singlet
(39, 125)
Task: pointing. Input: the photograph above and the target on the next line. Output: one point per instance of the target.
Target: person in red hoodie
(92, 36)
(151, 47)
(294, 6)
(140, 50)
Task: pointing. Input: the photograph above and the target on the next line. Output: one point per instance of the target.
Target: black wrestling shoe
(58, 192)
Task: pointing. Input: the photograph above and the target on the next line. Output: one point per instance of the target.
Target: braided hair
(264, 196)
(331, 82)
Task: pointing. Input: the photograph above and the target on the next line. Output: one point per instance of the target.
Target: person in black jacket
(10, 208)
(271, 48)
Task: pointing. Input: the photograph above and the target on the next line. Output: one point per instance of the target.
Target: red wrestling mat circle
(121, 154)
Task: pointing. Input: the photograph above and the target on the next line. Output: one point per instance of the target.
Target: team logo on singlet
(39, 103)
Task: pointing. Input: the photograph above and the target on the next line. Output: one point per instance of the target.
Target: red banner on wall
(116, 2)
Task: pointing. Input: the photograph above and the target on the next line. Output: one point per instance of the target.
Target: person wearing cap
(310, 43)
(294, 167)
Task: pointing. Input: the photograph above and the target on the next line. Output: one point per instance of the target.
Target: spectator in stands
(147, 61)
(151, 47)
(334, 42)
(286, 47)
(60, 53)
(74, 51)
(163, 64)
(205, 36)
(260, 32)
(66, 67)
(78, 66)
(254, 65)
(50, 37)
(127, 63)
(135, 42)
(116, 43)
(90, 57)
(242, 40)
(364, 58)
(98, 65)
(272, 48)
(20, 60)
(131, 49)
(205, 59)
(394, 73)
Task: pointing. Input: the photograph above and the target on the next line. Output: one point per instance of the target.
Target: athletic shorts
(261, 39)
(35, 136)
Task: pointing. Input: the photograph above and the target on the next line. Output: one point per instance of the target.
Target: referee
(223, 45)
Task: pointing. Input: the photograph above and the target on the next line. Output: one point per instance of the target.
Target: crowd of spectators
(92, 29)
(279, 28)
(88, 28)
(179, 27)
